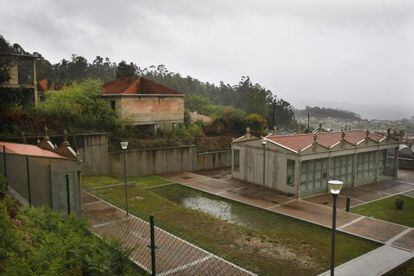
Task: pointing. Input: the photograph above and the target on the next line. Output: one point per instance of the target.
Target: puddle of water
(216, 208)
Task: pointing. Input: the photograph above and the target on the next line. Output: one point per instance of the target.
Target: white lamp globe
(335, 186)
(124, 145)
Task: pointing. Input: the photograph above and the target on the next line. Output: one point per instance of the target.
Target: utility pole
(308, 121)
(274, 112)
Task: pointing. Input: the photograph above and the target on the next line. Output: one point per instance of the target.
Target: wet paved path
(317, 209)
(374, 263)
(174, 256)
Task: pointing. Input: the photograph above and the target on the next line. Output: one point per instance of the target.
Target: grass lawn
(90, 182)
(385, 209)
(258, 240)
(406, 269)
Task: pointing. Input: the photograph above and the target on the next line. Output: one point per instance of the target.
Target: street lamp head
(124, 145)
(264, 142)
(335, 186)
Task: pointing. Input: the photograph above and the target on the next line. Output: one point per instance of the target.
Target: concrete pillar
(354, 169)
(298, 165)
(328, 169)
(396, 163)
(376, 165)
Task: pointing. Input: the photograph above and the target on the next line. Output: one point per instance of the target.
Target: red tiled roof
(136, 85)
(32, 150)
(298, 142)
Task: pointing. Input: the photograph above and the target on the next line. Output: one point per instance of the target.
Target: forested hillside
(246, 95)
(323, 112)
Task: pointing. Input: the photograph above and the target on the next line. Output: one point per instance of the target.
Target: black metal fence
(155, 250)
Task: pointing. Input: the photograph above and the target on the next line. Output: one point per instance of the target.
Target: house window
(236, 160)
(290, 175)
(113, 105)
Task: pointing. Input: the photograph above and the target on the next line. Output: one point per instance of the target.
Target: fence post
(29, 194)
(67, 193)
(153, 267)
(5, 167)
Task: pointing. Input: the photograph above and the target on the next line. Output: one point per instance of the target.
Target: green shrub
(3, 184)
(399, 203)
(38, 241)
(257, 123)
(79, 106)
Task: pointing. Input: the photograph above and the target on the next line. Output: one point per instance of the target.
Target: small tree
(126, 70)
(257, 124)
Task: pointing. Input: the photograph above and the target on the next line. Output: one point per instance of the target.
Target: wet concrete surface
(406, 241)
(375, 229)
(315, 209)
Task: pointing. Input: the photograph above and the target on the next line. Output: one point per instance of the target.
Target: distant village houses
(145, 103)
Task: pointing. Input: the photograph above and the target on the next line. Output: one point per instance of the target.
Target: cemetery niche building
(43, 174)
(301, 164)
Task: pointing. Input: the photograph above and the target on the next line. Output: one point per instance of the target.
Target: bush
(399, 203)
(38, 241)
(79, 106)
(257, 124)
(232, 123)
(3, 183)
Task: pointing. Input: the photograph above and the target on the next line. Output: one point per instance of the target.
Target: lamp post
(264, 162)
(334, 188)
(124, 146)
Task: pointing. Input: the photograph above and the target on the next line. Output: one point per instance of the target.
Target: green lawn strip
(91, 182)
(385, 209)
(264, 242)
(406, 269)
(148, 181)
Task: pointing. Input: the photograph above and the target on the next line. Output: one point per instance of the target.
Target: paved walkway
(367, 193)
(374, 263)
(174, 256)
(317, 209)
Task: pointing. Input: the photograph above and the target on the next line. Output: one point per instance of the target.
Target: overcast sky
(350, 54)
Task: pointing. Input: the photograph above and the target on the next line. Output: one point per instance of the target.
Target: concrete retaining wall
(166, 160)
(153, 161)
(213, 160)
(96, 160)
(406, 163)
(93, 150)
